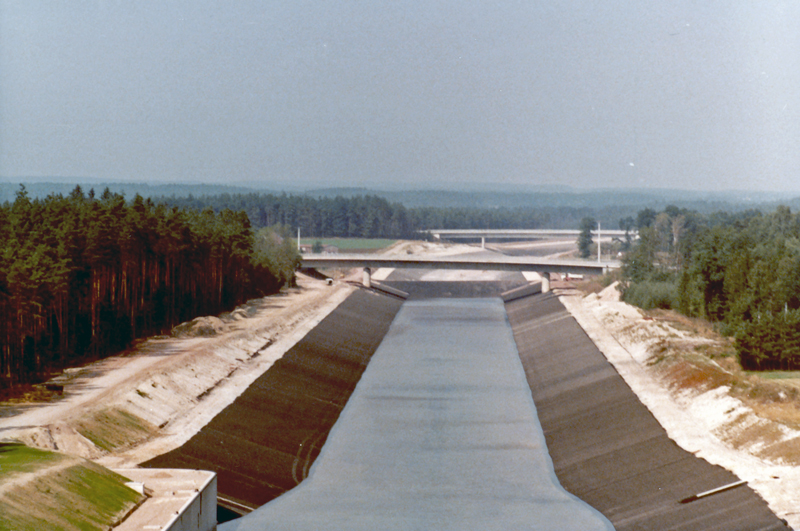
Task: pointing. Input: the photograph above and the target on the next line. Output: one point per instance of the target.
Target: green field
(353, 244)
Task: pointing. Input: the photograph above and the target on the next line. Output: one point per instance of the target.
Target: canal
(441, 433)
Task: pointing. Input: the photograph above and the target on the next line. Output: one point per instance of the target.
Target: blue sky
(696, 95)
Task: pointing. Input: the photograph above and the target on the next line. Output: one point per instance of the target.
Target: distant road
(519, 233)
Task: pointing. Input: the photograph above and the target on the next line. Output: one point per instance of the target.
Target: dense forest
(555, 206)
(741, 271)
(82, 276)
(364, 216)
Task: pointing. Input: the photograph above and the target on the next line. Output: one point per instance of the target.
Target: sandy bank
(708, 423)
(131, 407)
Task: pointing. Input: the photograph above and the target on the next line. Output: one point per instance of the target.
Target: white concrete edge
(199, 492)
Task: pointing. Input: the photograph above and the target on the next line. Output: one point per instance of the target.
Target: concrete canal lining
(441, 433)
(606, 446)
(264, 443)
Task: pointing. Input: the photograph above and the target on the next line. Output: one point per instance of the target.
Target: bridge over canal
(483, 263)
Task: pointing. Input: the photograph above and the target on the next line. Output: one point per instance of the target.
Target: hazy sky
(700, 95)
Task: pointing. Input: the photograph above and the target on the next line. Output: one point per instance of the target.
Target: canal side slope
(264, 443)
(606, 446)
(685, 376)
(150, 399)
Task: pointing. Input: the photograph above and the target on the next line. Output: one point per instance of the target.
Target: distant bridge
(515, 234)
(494, 263)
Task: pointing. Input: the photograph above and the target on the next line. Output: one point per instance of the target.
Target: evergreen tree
(588, 224)
(82, 276)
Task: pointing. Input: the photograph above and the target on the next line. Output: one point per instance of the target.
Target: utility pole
(598, 242)
(298, 239)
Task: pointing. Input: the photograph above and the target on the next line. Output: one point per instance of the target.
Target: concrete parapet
(527, 290)
(178, 500)
(390, 290)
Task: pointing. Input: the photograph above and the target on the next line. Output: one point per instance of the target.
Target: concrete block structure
(178, 500)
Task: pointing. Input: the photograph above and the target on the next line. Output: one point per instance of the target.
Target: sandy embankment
(707, 422)
(158, 394)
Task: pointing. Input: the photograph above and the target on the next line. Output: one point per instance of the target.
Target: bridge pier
(545, 282)
(483, 242)
(367, 279)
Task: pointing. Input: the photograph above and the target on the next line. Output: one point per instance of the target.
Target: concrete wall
(177, 500)
(200, 512)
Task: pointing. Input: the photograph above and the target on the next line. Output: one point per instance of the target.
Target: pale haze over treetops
(696, 95)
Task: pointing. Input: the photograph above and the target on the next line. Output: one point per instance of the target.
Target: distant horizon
(464, 188)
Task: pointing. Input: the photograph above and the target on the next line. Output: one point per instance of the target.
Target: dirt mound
(236, 315)
(60, 437)
(200, 327)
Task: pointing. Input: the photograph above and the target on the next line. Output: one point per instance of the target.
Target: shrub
(770, 342)
(650, 294)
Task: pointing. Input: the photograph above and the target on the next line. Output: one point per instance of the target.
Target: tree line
(83, 276)
(370, 216)
(741, 271)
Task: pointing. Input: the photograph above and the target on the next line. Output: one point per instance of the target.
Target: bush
(274, 249)
(650, 294)
(770, 342)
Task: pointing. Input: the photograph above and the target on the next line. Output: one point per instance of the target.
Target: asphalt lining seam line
(240, 505)
(538, 323)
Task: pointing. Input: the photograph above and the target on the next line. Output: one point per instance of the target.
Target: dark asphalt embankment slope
(264, 443)
(606, 446)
